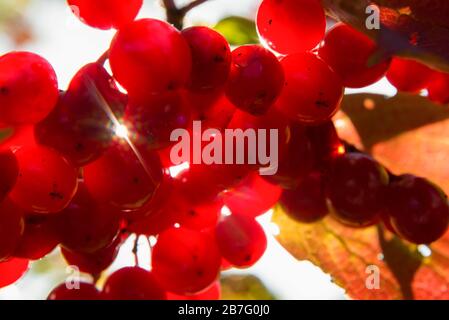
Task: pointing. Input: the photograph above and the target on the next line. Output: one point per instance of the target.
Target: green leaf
(238, 30)
(244, 287)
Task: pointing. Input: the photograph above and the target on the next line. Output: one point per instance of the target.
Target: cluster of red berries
(69, 180)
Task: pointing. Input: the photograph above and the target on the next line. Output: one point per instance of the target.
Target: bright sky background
(69, 45)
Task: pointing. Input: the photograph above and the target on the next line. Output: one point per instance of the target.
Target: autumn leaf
(412, 28)
(244, 287)
(353, 257)
(238, 30)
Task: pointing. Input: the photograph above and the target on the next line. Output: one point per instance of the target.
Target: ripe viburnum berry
(132, 283)
(211, 58)
(123, 178)
(355, 188)
(11, 270)
(80, 127)
(28, 88)
(409, 75)
(185, 261)
(312, 91)
(291, 26)
(150, 56)
(351, 55)
(241, 240)
(437, 88)
(9, 171)
(256, 79)
(86, 291)
(47, 182)
(418, 210)
(105, 14)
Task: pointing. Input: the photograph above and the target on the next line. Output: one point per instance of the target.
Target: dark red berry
(418, 209)
(9, 171)
(85, 291)
(11, 228)
(211, 58)
(256, 79)
(355, 189)
(409, 75)
(437, 88)
(212, 293)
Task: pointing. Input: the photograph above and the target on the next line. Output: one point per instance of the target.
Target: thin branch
(103, 58)
(169, 4)
(192, 5)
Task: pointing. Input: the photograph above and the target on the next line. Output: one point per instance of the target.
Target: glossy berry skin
(9, 171)
(118, 178)
(86, 291)
(355, 189)
(96, 262)
(296, 160)
(87, 226)
(16, 138)
(12, 270)
(132, 283)
(253, 196)
(408, 75)
(312, 91)
(307, 202)
(212, 293)
(418, 210)
(150, 56)
(291, 26)
(348, 52)
(11, 228)
(202, 216)
(256, 79)
(80, 126)
(241, 240)
(185, 261)
(40, 237)
(47, 181)
(152, 121)
(211, 58)
(28, 88)
(105, 14)
(437, 88)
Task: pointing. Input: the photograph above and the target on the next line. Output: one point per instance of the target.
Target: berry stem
(192, 5)
(102, 59)
(136, 250)
(175, 15)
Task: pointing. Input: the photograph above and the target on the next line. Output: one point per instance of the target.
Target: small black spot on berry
(218, 59)
(56, 195)
(270, 21)
(4, 91)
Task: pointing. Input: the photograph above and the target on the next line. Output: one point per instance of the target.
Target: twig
(176, 15)
(103, 58)
(136, 250)
(192, 5)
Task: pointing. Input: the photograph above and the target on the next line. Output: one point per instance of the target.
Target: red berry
(95, 262)
(122, 178)
(9, 171)
(202, 216)
(241, 240)
(296, 160)
(86, 225)
(253, 196)
(12, 270)
(312, 91)
(256, 79)
(133, 283)
(11, 228)
(18, 137)
(418, 209)
(290, 26)
(350, 53)
(28, 88)
(212, 293)
(307, 201)
(437, 88)
(46, 182)
(86, 291)
(409, 75)
(80, 127)
(152, 121)
(185, 261)
(211, 58)
(355, 189)
(106, 14)
(40, 237)
(150, 56)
